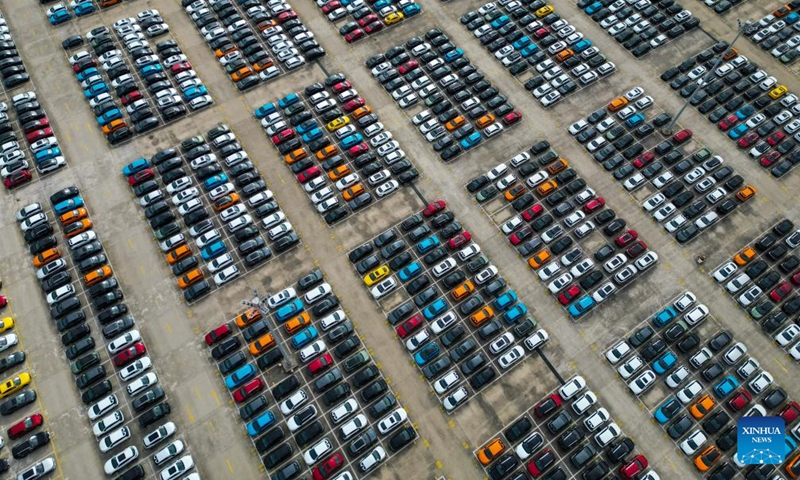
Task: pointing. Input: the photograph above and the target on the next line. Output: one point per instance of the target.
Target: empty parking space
(427, 269)
(662, 172)
(228, 224)
(530, 37)
(454, 114)
(333, 409)
(548, 214)
(336, 147)
(367, 17)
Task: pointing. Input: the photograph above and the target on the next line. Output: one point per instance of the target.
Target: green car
(486, 194)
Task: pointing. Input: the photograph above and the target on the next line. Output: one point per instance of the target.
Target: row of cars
(751, 107)
(456, 317)
(12, 69)
(193, 180)
(248, 37)
(59, 13)
(623, 139)
(45, 152)
(762, 278)
(567, 416)
(778, 33)
(357, 159)
(529, 33)
(124, 344)
(335, 385)
(462, 107)
(684, 366)
(640, 26)
(369, 16)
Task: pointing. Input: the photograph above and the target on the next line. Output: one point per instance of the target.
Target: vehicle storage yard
(208, 419)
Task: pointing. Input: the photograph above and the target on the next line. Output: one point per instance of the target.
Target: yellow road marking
(168, 327)
(216, 398)
(230, 467)
(191, 415)
(130, 244)
(197, 392)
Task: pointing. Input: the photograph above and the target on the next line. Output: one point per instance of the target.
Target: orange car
(547, 188)
(793, 466)
(226, 201)
(297, 323)
(247, 317)
(515, 191)
(701, 407)
(461, 291)
(191, 277)
(485, 121)
(454, 123)
(539, 259)
(78, 227)
(565, 55)
(96, 275)
(46, 257)
(265, 24)
(263, 64)
(339, 172)
(108, 3)
(73, 216)
(221, 52)
(617, 104)
(746, 193)
(178, 254)
(353, 192)
(732, 52)
(295, 155)
(114, 125)
(326, 152)
(242, 73)
(264, 342)
(557, 166)
(707, 459)
(365, 110)
(743, 258)
(484, 314)
(488, 453)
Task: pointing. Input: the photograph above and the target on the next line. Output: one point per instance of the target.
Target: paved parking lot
(361, 163)
(722, 7)
(530, 38)
(438, 62)
(560, 440)
(367, 18)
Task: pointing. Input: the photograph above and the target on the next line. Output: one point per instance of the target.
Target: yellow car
(778, 92)
(393, 18)
(376, 275)
(544, 11)
(8, 324)
(13, 385)
(338, 123)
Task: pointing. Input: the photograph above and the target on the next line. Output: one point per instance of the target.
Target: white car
(677, 377)
(606, 435)
(101, 407)
(642, 382)
(725, 271)
(282, 297)
(170, 451)
(454, 399)
(572, 387)
(124, 341)
(178, 468)
(696, 315)
(597, 419)
(444, 267)
(121, 460)
(631, 366)
(787, 335)
(291, 404)
(372, 459)
(384, 287)
(141, 383)
(760, 382)
(418, 340)
(634, 182)
(107, 423)
(685, 301)
(654, 201)
(511, 357)
(392, 421)
(226, 275)
(344, 410)
(618, 352)
(536, 340)
(110, 441)
(317, 451)
(693, 442)
(317, 293)
(38, 470)
(701, 357)
(749, 367)
(584, 403)
(135, 369)
(159, 434)
(688, 392)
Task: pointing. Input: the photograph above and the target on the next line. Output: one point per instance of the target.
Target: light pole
(705, 80)
(261, 304)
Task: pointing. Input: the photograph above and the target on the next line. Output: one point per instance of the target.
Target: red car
(409, 326)
(541, 462)
(796, 278)
(129, 354)
(568, 296)
(131, 97)
(634, 467)
(726, 124)
(644, 159)
(357, 150)
(776, 138)
(547, 406)
(408, 66)
(626, 238)
(521, 235)
(541, 33)
(748, 140)
(282, 136)
(435, 207)
(140, 177)
(373, 27)
(286, 16)
(780, 292)
(3, 301)
(20, 177)
(594, 204)
(790, 412)
(246, 391)
(353, 104)
(218, 334)
(329, 466)
(28, 424)
(682, 136)
(356, 34)
(740, 400)
(39, 134)
(532, 212)
(320, 364)
(83, 65)
(308, 174)
(512, 118)
(342, 86)
(180, 67)
(36, 125)
(636, 249)
(459, 240)
(770, 158)
(367, 20)
(331, 6)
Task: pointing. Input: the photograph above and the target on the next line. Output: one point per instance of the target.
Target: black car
(25, 448)
(518, 429)
(503, 467)
(309, 433)
(92, 394)
(402, 438)
(679, 427)
(11, 361)
(715, 423)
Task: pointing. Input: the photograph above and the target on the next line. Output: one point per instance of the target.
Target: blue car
(792, 18)
(288, 100)
(789, 446)
(241, 375)
(47, 154)
(473, 139)
(351, 140)
(500, 21)
(59, 17)
(409, 272)
(304, 338)
(109, 116)
(411, 10)
(583, 305)
(725, 387)
(635, 120)
(593, 8)
(289, 310)
(428, 244)
(664, 317)
(151, 69)
(667, 410)
(214, 250)
(95, 90)
(453, 55)
(529, 50)
(306, 127)
(135, 166)
(264, 110)
(68, 205)
(515, 313)
(427, 353)
(89, 72)
(434, 309)
(745, 112)
(381, 4)
(194, 92)
(84, 8)
(664, 363)
(522, 43)
(582, 45)
(215, 181)
(506, 300)
(312, 135)
(738, 131)
(260, 424)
